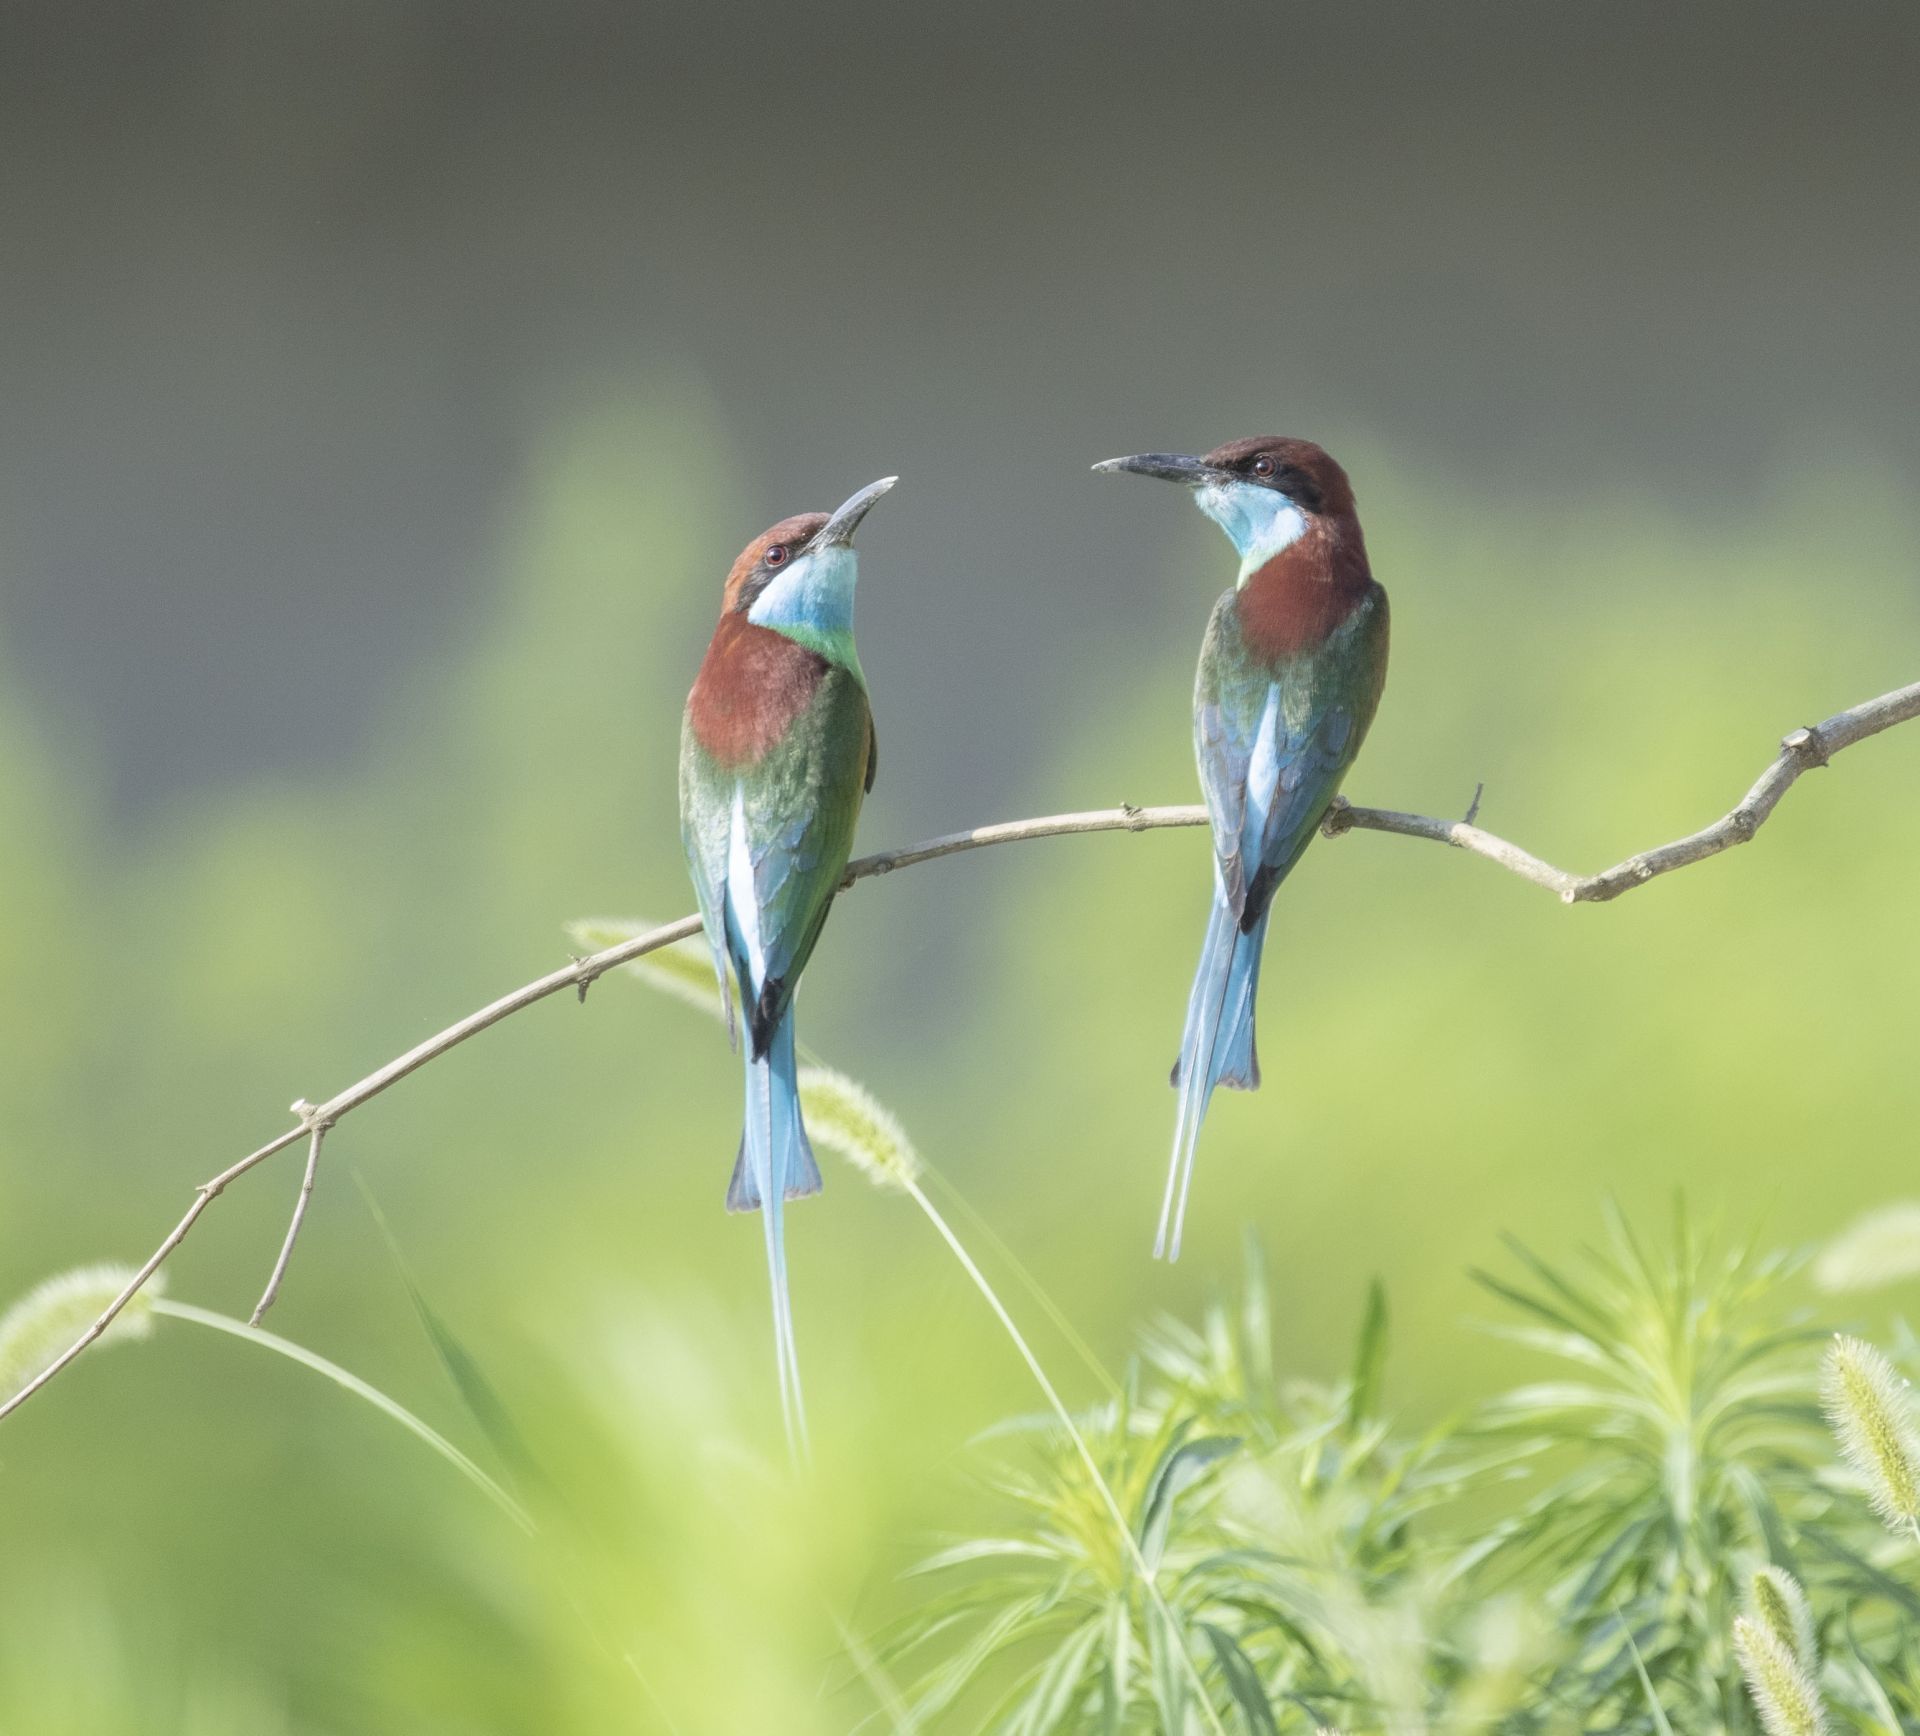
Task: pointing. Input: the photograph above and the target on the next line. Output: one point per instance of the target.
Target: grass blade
(388, 1407)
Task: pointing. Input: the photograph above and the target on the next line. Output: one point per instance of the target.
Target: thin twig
(1799, 752)
(267, 1296)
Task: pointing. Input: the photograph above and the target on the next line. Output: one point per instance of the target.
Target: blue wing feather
(1267, 777)
(1272, 741)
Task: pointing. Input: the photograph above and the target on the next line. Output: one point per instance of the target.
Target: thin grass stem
(1079, 1440)
(1656, 1710)
(1056, 1316)
(879, 1683)
(360, 1389)
(646, 1687)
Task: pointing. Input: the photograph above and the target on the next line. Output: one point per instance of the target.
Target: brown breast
(752, 685)
(1294, 602)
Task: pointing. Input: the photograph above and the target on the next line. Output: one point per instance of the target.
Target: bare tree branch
(1799, 752)
(304, 1110)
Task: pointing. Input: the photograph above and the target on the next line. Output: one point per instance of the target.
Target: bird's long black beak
(838, 530)
(1169, 466)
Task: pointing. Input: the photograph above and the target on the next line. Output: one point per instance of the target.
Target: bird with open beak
(776, 755)
(1290, 675)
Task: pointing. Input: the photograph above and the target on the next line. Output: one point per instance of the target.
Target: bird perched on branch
(1290, 675)
(776, 753)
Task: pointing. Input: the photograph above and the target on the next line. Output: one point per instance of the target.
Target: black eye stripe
(772, 559)
(1287, 479)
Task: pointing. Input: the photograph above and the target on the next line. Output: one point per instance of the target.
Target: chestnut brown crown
(767, 554)
(1305, 473)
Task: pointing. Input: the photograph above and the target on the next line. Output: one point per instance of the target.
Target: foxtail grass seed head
(1783, 1693)
(1870, 1409)
(848, 1118)
(52, 1315)
(1881, 1248)
(1776, 1603)
(684, 970)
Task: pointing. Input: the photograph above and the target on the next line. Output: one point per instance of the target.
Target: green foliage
(1685, 1434)
(1573, 1555)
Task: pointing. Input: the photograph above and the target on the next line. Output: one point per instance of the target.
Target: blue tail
(1215, 1049)
(776, 1165)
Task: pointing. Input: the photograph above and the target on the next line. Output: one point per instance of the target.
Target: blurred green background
(385, 392)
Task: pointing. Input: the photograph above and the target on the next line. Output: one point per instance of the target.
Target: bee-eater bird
(776, 754)
(1290, 675)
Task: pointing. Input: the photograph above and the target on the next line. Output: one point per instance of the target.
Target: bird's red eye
(1263, 466)
(777, 555)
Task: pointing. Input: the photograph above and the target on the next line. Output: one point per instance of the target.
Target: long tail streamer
(1216, 1048)
(776, 1164)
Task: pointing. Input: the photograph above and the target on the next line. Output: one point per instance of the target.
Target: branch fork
(315, 1127)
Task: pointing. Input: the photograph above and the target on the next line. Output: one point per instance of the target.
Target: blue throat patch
(810, 600)
(1259, 522)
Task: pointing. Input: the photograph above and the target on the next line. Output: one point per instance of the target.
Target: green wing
(1273, 741)
(768, 843)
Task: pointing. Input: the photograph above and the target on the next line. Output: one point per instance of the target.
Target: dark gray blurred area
(290, 292)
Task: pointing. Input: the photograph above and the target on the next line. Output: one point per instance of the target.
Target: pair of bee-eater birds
(777, 752)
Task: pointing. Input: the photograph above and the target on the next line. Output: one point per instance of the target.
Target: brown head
(1297, 470)
(1306, 474)
(808, 539)
(770, 551)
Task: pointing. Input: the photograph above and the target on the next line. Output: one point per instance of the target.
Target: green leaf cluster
(1573, 1555)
